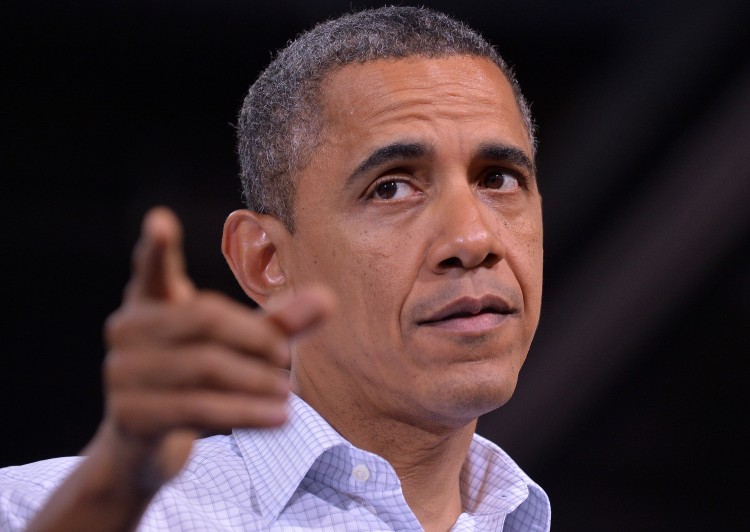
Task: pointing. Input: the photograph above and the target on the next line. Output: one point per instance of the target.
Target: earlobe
(250, 245)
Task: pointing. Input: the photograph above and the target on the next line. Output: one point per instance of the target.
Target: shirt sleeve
(24, 489)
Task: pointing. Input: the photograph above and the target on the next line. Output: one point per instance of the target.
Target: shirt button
(360, 472)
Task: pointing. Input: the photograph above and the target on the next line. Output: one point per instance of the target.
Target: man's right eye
(392, 189)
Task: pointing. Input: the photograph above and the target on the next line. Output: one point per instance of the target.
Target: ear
(250, 244)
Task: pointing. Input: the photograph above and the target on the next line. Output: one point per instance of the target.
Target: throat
(430, 478)
(437, 506)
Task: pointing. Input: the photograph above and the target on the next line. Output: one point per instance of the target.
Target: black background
(630, 408)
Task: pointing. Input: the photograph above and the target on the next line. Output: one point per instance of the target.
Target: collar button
(361, 473)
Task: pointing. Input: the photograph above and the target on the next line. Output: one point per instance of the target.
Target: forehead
(371, 102)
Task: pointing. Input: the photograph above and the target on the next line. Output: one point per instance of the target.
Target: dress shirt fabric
(302, 476)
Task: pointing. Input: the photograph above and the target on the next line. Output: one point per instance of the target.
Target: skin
(440, 220)
(180, 362)
(430, 254)
(445, 234)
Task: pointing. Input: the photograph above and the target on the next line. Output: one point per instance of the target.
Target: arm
(179, 362)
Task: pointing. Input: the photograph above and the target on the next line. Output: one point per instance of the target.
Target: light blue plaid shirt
(302, 476)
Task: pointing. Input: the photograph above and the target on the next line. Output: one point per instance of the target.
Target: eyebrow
(414, 150)
(505, 152)
(389, 153)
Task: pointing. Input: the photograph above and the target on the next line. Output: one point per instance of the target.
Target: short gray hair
(280, 121)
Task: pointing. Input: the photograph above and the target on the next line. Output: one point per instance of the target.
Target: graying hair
(280, 121)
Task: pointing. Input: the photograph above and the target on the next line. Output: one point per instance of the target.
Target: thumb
(299, 311)
(158, 260)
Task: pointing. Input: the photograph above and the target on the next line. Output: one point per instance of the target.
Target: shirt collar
(279, 458)
(492, 483)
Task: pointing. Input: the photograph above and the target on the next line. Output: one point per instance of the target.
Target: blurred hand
(182, 361)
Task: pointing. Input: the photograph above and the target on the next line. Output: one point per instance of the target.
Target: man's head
(416, 204)
(279, 124)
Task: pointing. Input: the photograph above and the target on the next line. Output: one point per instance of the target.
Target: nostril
(490, 260)
(455, 262)
(452, 262)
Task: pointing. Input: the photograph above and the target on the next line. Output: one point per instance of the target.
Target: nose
(466, 233)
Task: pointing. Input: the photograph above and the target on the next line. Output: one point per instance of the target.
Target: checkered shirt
(302, 476)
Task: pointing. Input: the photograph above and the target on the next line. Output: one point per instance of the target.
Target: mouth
(470, 314)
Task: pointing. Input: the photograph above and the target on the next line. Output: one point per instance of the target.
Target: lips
(484, 311)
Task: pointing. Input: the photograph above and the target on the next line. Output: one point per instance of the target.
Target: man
(394, 242)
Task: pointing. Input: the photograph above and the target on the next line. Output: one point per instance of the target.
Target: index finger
(158, 267)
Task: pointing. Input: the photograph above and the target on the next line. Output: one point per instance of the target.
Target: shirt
(301, 476)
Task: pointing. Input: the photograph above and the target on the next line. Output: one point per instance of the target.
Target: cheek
(524, 249)
(530, 248)
(383, 270)
(369, 271)
(369, 275)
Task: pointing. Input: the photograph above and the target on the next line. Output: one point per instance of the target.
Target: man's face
(420, 210)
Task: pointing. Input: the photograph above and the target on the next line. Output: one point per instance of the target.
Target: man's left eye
(499, 180)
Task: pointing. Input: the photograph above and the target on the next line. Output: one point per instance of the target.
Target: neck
(428, 466)
(427, 460)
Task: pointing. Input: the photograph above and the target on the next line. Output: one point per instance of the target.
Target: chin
(461, 398)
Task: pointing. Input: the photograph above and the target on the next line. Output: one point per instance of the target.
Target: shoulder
(24, 488)
(214, 462)
(44, 474)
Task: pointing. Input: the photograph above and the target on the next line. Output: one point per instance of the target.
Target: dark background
(630, 408)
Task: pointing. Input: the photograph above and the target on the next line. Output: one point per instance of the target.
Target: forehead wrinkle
(455, 103)
(376, 93)
(366, 104)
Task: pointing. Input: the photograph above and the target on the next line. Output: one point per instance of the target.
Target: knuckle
(129, 322)
(113, 368)
(124, 368)
(114, 327)
(121, 411)
(206, 369)
(213, 297)
(208, 309)
(196, 412)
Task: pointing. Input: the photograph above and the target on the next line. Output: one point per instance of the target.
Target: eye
(392, 189)
(499, 180)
